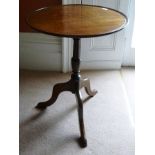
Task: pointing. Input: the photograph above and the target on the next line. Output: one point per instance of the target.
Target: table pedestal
(73, 85)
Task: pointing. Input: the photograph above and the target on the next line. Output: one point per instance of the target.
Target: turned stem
(75, 62)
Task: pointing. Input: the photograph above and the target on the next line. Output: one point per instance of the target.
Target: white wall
(40, 52)
(129, 53)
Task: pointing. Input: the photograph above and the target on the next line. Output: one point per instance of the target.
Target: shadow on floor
(32, 129)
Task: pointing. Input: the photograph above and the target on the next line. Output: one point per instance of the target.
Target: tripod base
(73, 85)
(68, 86)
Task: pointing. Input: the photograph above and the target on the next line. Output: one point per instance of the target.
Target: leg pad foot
(82, 142)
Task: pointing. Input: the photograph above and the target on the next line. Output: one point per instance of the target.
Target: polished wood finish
(77, 20)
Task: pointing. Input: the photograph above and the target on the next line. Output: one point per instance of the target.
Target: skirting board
(40, 52)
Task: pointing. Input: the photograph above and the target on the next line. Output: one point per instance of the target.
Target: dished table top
(77, 21)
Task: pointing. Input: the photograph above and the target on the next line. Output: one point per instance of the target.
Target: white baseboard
(40, 52)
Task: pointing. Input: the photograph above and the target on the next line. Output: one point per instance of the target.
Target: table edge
(81, 36)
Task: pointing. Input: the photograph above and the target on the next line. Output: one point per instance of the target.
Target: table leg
(86, 84)
(82, 139)
(57, 89)
(73, 85)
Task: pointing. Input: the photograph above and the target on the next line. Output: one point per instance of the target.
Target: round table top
(77, 21)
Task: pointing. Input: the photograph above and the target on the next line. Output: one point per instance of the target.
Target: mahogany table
(76, 22)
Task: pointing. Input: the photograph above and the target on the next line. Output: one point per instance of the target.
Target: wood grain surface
(77, 21)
